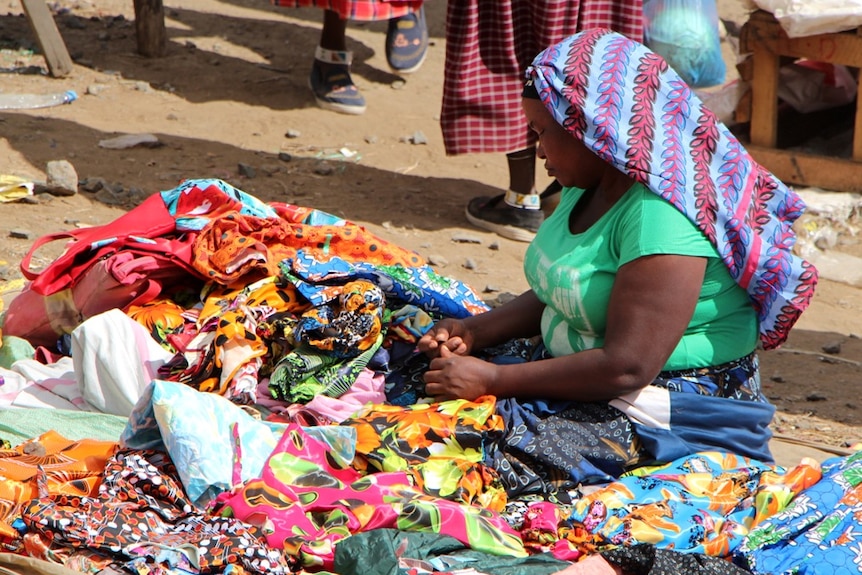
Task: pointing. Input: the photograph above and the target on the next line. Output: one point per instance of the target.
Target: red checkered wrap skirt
(489, 44)
(361, 10)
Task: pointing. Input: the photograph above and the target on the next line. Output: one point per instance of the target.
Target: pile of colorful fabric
(252, 402)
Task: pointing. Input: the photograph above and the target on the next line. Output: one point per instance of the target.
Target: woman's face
(566, 158)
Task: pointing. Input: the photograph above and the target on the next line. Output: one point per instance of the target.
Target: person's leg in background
(330, 79)
(488, 47)
(516, 214)
(407, 42)
(405, 46)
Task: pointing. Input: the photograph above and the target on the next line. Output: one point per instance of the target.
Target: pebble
(110, 197)
(284, 157)
(418, 138)
(460, 238)
(815, 396)
(137, 195)
(75, 23)
(130, 141)
(246, 170)
(501, 299)
(833, 348)
(21, 234)
(92, 185)
(469, 264)
(292, 134)
(437, 260)
(62, 179)
(96, 89)
(323, 169)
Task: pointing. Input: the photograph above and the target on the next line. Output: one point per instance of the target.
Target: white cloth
(809, 17)
(115, 359)
(29, 383)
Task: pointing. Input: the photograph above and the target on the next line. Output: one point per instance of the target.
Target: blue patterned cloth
(820, 532)
(420, 286)
(633, 111)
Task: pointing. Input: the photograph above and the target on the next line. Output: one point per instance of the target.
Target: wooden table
(765, 39)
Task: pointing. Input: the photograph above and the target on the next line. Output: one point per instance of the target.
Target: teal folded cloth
(13, 348)
(20, 424)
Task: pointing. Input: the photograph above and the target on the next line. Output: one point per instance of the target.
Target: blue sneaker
(407, 42)
(331, 83)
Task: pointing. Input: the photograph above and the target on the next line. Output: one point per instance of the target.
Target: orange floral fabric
(240, 248)
(48, 465)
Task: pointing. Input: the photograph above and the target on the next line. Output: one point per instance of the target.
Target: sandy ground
(230, 100)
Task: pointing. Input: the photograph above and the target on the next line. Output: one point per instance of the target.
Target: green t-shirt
(573, 275)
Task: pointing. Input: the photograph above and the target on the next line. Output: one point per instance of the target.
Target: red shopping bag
(129, 261)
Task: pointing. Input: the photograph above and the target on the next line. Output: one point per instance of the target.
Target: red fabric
(489, 44)
(360, 10)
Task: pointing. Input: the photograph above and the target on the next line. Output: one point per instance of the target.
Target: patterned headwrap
(632, 110)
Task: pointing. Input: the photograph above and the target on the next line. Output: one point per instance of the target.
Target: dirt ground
(230, 100)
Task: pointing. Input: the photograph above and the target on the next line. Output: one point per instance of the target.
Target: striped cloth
(360, 10)
(489, 44)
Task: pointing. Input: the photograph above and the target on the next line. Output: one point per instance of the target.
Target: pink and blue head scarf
(631, 109)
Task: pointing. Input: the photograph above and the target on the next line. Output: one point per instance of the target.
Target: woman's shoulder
(652, 206)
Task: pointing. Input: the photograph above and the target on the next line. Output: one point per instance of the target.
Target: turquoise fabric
(205, 434)
(197, 430)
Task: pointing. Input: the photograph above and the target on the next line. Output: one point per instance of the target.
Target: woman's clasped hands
(453, 372)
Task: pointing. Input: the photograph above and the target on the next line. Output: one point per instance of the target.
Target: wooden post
(52, 45)
(150, 28)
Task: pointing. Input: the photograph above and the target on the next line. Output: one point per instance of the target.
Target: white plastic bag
(810, 86)
(685, 33)
(809, 17)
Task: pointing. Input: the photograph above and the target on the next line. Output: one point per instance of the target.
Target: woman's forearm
(518, 318)
(590, 375)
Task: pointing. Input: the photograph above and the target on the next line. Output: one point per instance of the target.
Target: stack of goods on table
(213, 384)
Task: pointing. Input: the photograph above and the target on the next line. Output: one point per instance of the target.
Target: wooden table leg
(764, 97)
(150, 28)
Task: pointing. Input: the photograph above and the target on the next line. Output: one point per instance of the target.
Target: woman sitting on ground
(668, 255)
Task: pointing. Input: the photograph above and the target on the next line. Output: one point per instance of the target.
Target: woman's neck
(613, 185)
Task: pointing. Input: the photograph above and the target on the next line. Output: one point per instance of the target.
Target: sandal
(407, 42)
(331, 84)
(498, 214)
